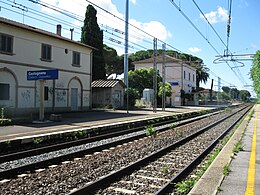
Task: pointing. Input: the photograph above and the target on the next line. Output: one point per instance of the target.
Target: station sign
(174, 83)
(43, 75)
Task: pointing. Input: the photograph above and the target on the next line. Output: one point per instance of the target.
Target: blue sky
(163, 21)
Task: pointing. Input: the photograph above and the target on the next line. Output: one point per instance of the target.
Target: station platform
(244, 175)
(89, 119)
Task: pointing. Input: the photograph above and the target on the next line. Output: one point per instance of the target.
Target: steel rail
(68, 144)
(41, 164)
(104, 181)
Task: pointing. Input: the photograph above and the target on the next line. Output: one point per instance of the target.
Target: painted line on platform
(250, 188)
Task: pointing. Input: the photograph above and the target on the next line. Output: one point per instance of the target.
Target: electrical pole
(155, 75)
(163, 76)
(219, 88)
(126, 53)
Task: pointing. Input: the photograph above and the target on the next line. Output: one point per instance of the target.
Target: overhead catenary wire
(209, 23)
(170, 46)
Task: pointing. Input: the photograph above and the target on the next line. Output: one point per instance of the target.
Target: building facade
(180, 75)
(24, 48)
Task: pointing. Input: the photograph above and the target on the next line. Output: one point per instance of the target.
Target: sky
(160, 19)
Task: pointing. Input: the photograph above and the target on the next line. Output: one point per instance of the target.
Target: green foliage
(238, 147)
(173, 125)
(244, 95)
(226, 170)
(224, 96)
(93, 36)
(165, 169)
(226, 89)
(150, 131)
(112, 61)
(2, 113)
(3, 120)
(227, 109)
(133, 94)
(255, 72)
(202, 74)
(145, 104)
(37, 140)
(185, 186)
(168, 89)
(142, 78)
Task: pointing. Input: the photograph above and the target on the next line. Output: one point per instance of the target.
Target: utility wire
(194, 26)
(209, 23)
(77, 17)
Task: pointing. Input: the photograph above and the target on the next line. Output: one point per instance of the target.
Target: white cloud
(194, 49)
(220, 15)
(133, 1)
(155, 28)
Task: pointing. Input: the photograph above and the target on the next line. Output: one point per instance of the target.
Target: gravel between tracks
(179, 158)
(66, 177)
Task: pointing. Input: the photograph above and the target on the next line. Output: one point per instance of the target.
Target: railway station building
(25, 49)
(179, 74)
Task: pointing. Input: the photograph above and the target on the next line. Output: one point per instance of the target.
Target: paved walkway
(88, 119)
(244, 177)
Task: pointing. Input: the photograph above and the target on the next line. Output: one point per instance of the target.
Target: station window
(76, 58)
(5, 91)
(189, 76)
(184, 74)
(46, 52)
(46, 93)
(193, 78)
(6, 44)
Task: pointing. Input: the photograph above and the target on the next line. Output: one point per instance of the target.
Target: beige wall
(24, 95)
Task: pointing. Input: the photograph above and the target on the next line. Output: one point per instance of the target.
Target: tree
(112, 61)
(244, 95)
(168, 89)
(202, 74)
(224, 96)
(226, 89)
(234, 93)
(255, 72)
(133, 94)
(93, 36)
(142, 78)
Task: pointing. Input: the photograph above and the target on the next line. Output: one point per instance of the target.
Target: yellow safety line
(250, 188)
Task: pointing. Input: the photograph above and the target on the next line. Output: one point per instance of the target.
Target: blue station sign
(174, 83)
(42, 75)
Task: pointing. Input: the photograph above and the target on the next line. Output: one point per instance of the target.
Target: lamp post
(126, 53)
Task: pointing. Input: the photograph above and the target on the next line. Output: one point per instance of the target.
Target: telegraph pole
(163, 76)
(126, 53)
(155, 75)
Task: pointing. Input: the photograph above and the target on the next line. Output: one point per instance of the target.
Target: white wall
(173, 74)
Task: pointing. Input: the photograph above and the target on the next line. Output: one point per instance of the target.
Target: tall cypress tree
(93, 36)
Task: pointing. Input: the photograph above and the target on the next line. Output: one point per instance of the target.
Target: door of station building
(74, 99)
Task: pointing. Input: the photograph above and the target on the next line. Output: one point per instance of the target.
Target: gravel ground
(168, 165)
(68, 176)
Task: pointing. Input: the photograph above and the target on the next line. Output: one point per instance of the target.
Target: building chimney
(71, 33)
(58, 29)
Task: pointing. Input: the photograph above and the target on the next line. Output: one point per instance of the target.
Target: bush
(133, 94)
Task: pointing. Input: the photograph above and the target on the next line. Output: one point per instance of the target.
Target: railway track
(153, 174)
(70, 175)
(28, 160)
